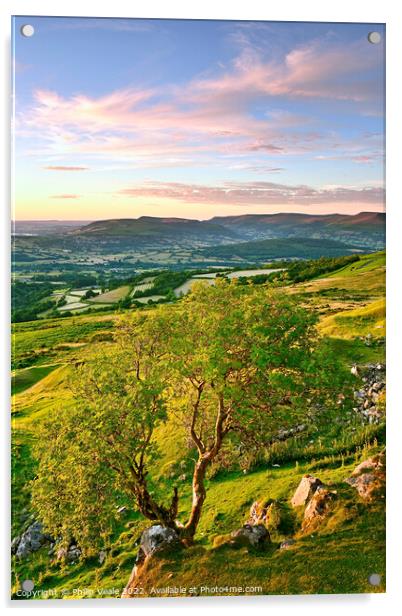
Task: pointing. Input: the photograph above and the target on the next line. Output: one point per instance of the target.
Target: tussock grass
(26, 378)
(369, 319)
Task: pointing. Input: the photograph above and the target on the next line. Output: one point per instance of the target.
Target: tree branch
(197, 440)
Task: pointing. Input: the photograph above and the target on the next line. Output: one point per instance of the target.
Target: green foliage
(306, 270)
(165, 282)
(95, 449)
(296, 247)
(28, 300)
(242, 372)
(90, 293)
(76, 280)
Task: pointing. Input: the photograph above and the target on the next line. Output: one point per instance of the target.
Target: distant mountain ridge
(366, 218)
(365, 229)
(149, 226)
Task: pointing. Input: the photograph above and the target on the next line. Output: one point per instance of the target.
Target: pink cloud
(318, 69)
(264, 147)
(66, 196)
(208, 115)
(64, 168)
(256, 193)
(363, 159)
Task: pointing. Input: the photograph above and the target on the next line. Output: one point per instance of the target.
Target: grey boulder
(31, 540)
(156, 539)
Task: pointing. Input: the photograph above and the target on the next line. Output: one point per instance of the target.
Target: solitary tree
(227, 359)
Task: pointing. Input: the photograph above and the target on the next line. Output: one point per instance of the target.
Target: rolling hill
(366, 229)
(151, 227)
(281, 248)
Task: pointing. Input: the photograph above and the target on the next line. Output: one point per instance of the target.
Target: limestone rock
(73, 554)
(375, 463)
(268, 512)
(317, 507)
(258, 512)
(305, 490)
(31, 540)
(255, 536)
(370, 397)
(156, 539)
(369, 478)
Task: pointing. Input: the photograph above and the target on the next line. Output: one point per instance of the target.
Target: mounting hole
(28, 585)
(374, 38)
(375, 579)
(27, 30)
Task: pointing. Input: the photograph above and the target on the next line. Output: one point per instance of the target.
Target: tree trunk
(199, 495)
(205, 457)
(152, 510)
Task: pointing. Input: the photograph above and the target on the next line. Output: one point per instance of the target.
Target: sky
(121, 118)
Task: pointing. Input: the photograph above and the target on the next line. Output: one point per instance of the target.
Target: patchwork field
(111, 297)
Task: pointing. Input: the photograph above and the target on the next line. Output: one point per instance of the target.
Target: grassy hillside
(148, 226)
(315, 564)
(366, 229)
(362, 280)
(338, 557)
(369, 320)
(301, 248)
(27, 377)
(35, 342)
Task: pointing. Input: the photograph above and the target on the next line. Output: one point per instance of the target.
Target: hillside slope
(364, 229)
(339, 557)
(299, 248)
(147, 226)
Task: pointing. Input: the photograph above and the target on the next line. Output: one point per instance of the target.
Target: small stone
(255, 536)
(287, 544)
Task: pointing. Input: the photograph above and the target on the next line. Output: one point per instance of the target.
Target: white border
(369, 11)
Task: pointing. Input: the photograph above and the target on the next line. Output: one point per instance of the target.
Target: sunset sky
(122, 118)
